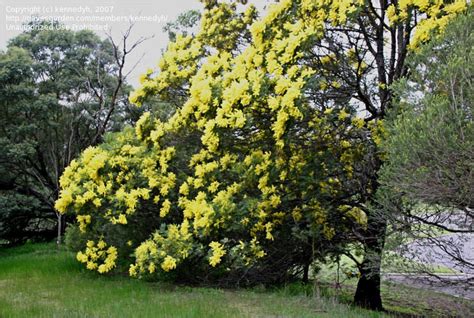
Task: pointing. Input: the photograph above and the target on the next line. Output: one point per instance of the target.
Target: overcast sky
(88, 13)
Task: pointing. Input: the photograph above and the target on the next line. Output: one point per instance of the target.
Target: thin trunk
(306, 273)
(60, 226)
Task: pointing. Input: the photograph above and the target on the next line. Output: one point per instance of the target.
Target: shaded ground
(424, 302)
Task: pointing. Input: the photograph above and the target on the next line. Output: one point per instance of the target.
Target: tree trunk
(60, 227)
(368, 288)
(306, 273)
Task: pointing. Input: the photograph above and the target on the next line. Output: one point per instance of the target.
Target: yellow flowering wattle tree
(271, 160)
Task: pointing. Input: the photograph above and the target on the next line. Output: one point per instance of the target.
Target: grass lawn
(40, 281)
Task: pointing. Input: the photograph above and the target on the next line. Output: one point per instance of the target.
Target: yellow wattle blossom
(217, 253)
(133, 270)
(358, 122)
(94, 254)
(83, 220)
(151, 268)
(328, 232)
(213, 187)
(169, 263)
(297, 216)
(184, 189)
(268, 230)
(122, 219)
(343, 114)
(165, 208)
(101, 244)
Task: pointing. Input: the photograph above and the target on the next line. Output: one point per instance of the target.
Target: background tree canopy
(431, 143)
(428, 181)
(60, 91)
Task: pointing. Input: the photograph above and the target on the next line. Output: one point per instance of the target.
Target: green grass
(41, 281)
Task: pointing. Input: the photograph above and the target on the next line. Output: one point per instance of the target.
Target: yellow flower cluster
(436, 13)
(378, 131)
(169, 263)
(93, 159)
(83, 220)
(217, 253)
(177, 65)
(222, 20)
(98, 257)
(167, 251)
(356, 213)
